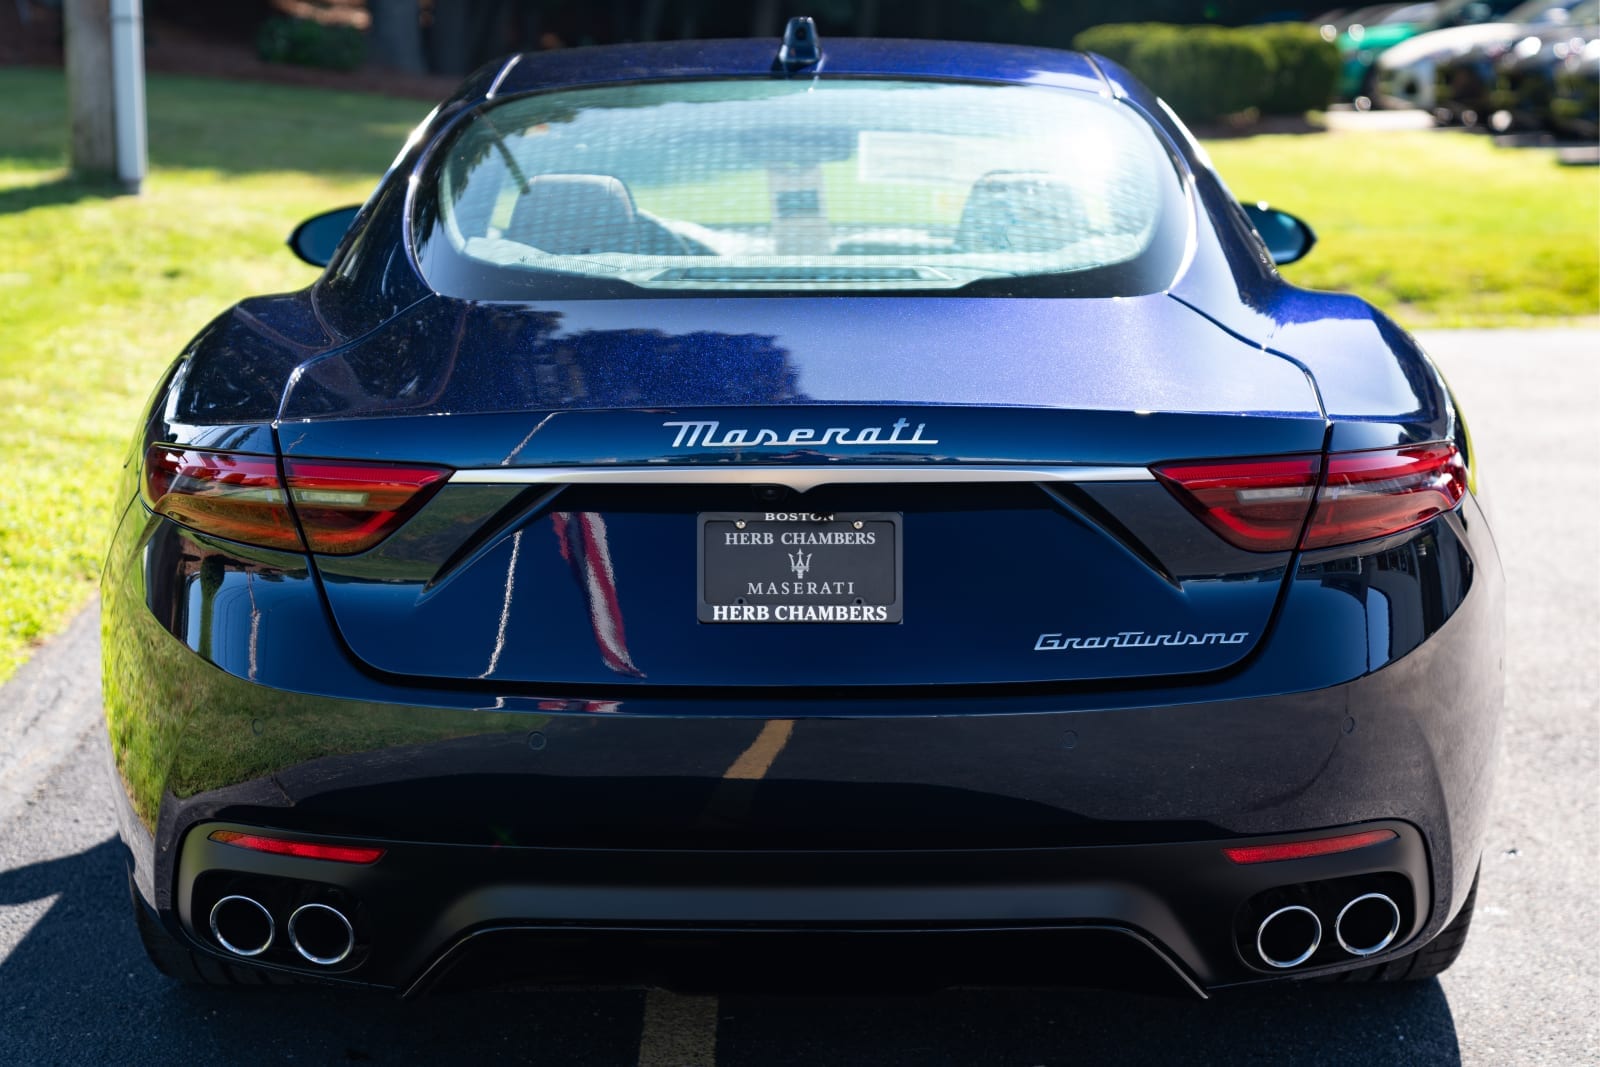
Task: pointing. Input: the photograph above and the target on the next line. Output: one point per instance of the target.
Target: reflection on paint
(505, 607)
(582, 537)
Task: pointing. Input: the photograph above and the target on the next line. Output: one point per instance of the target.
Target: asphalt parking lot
(75, 988)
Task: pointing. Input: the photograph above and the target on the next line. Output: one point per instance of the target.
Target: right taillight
(1256, 504)
(1274, 504)
(1384, 491)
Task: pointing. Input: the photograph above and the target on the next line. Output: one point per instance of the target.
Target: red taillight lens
(304, 849)
(1257, 504)
(1262, 504)
(1322, 846)
(343, 507)
(234, 495)
(349, 507)
(1371, 494)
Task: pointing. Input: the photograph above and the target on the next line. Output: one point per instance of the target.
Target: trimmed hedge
(1205, 73)
(303, 43)
(1306, 75)
(1208, 72)
(1117, 40)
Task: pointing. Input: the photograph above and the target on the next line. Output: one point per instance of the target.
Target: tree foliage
(455, 36)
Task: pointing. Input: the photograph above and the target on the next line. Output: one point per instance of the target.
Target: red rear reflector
(1322, 846)
(1372, 494)
(235, 495)
(343, 507)
(346, 508)
(1256, 504)
(303, 849)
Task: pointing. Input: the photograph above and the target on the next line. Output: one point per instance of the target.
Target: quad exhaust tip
(321, 934)
(1289, 936)
(242, 925)
(1367, 924)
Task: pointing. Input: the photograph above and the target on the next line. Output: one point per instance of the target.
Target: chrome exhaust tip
(1288, 937)
(242, 925)
(321, 934)
(1367, 924)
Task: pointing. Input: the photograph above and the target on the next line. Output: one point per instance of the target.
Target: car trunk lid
(1030, 542)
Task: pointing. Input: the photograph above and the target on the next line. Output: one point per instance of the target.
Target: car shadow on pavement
(77, 988)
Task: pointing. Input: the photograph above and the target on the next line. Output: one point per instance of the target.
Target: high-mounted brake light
(1272, 505)
(343, 507)
(1295, 850)
(310, 850)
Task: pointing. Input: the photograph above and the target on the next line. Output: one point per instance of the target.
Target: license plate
(800, 567)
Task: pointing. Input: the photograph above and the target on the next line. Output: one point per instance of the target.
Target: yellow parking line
(678, 1031)
(756, 760)
(682, 1031)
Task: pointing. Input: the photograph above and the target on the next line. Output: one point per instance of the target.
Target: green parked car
(1364, 35)
(1369, 33)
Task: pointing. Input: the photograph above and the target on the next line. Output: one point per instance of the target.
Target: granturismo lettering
(1134, 639)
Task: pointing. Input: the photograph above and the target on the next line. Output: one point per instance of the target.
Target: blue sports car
(802, 515)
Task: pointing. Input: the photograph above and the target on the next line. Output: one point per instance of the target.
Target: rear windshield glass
(757, 186)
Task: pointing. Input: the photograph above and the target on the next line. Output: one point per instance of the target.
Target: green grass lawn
(1438, 228)
(98, 293)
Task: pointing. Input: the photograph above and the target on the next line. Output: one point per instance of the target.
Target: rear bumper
(690, 822)
(1175, 916)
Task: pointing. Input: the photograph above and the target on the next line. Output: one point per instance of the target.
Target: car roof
(851, 57)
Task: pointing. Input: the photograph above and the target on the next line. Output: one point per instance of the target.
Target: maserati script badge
(708, 433)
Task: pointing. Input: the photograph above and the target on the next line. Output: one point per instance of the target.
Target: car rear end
(720, 582)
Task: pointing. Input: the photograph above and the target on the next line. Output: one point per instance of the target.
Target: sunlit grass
(98, 293)
(1437, 228)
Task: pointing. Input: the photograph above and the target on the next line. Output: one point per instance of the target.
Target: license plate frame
(864, 578)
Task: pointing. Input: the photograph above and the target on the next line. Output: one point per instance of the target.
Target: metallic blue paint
(1137, 354)
(1336, 721)
(392, 695)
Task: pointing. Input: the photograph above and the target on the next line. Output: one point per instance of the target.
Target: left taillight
(234, 495)
(344, 507)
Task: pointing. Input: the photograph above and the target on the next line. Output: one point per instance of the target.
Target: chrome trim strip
(800, 479)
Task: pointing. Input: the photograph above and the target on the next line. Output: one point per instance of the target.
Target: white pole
(127, 74)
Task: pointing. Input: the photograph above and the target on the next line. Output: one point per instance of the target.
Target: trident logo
(800, 562)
